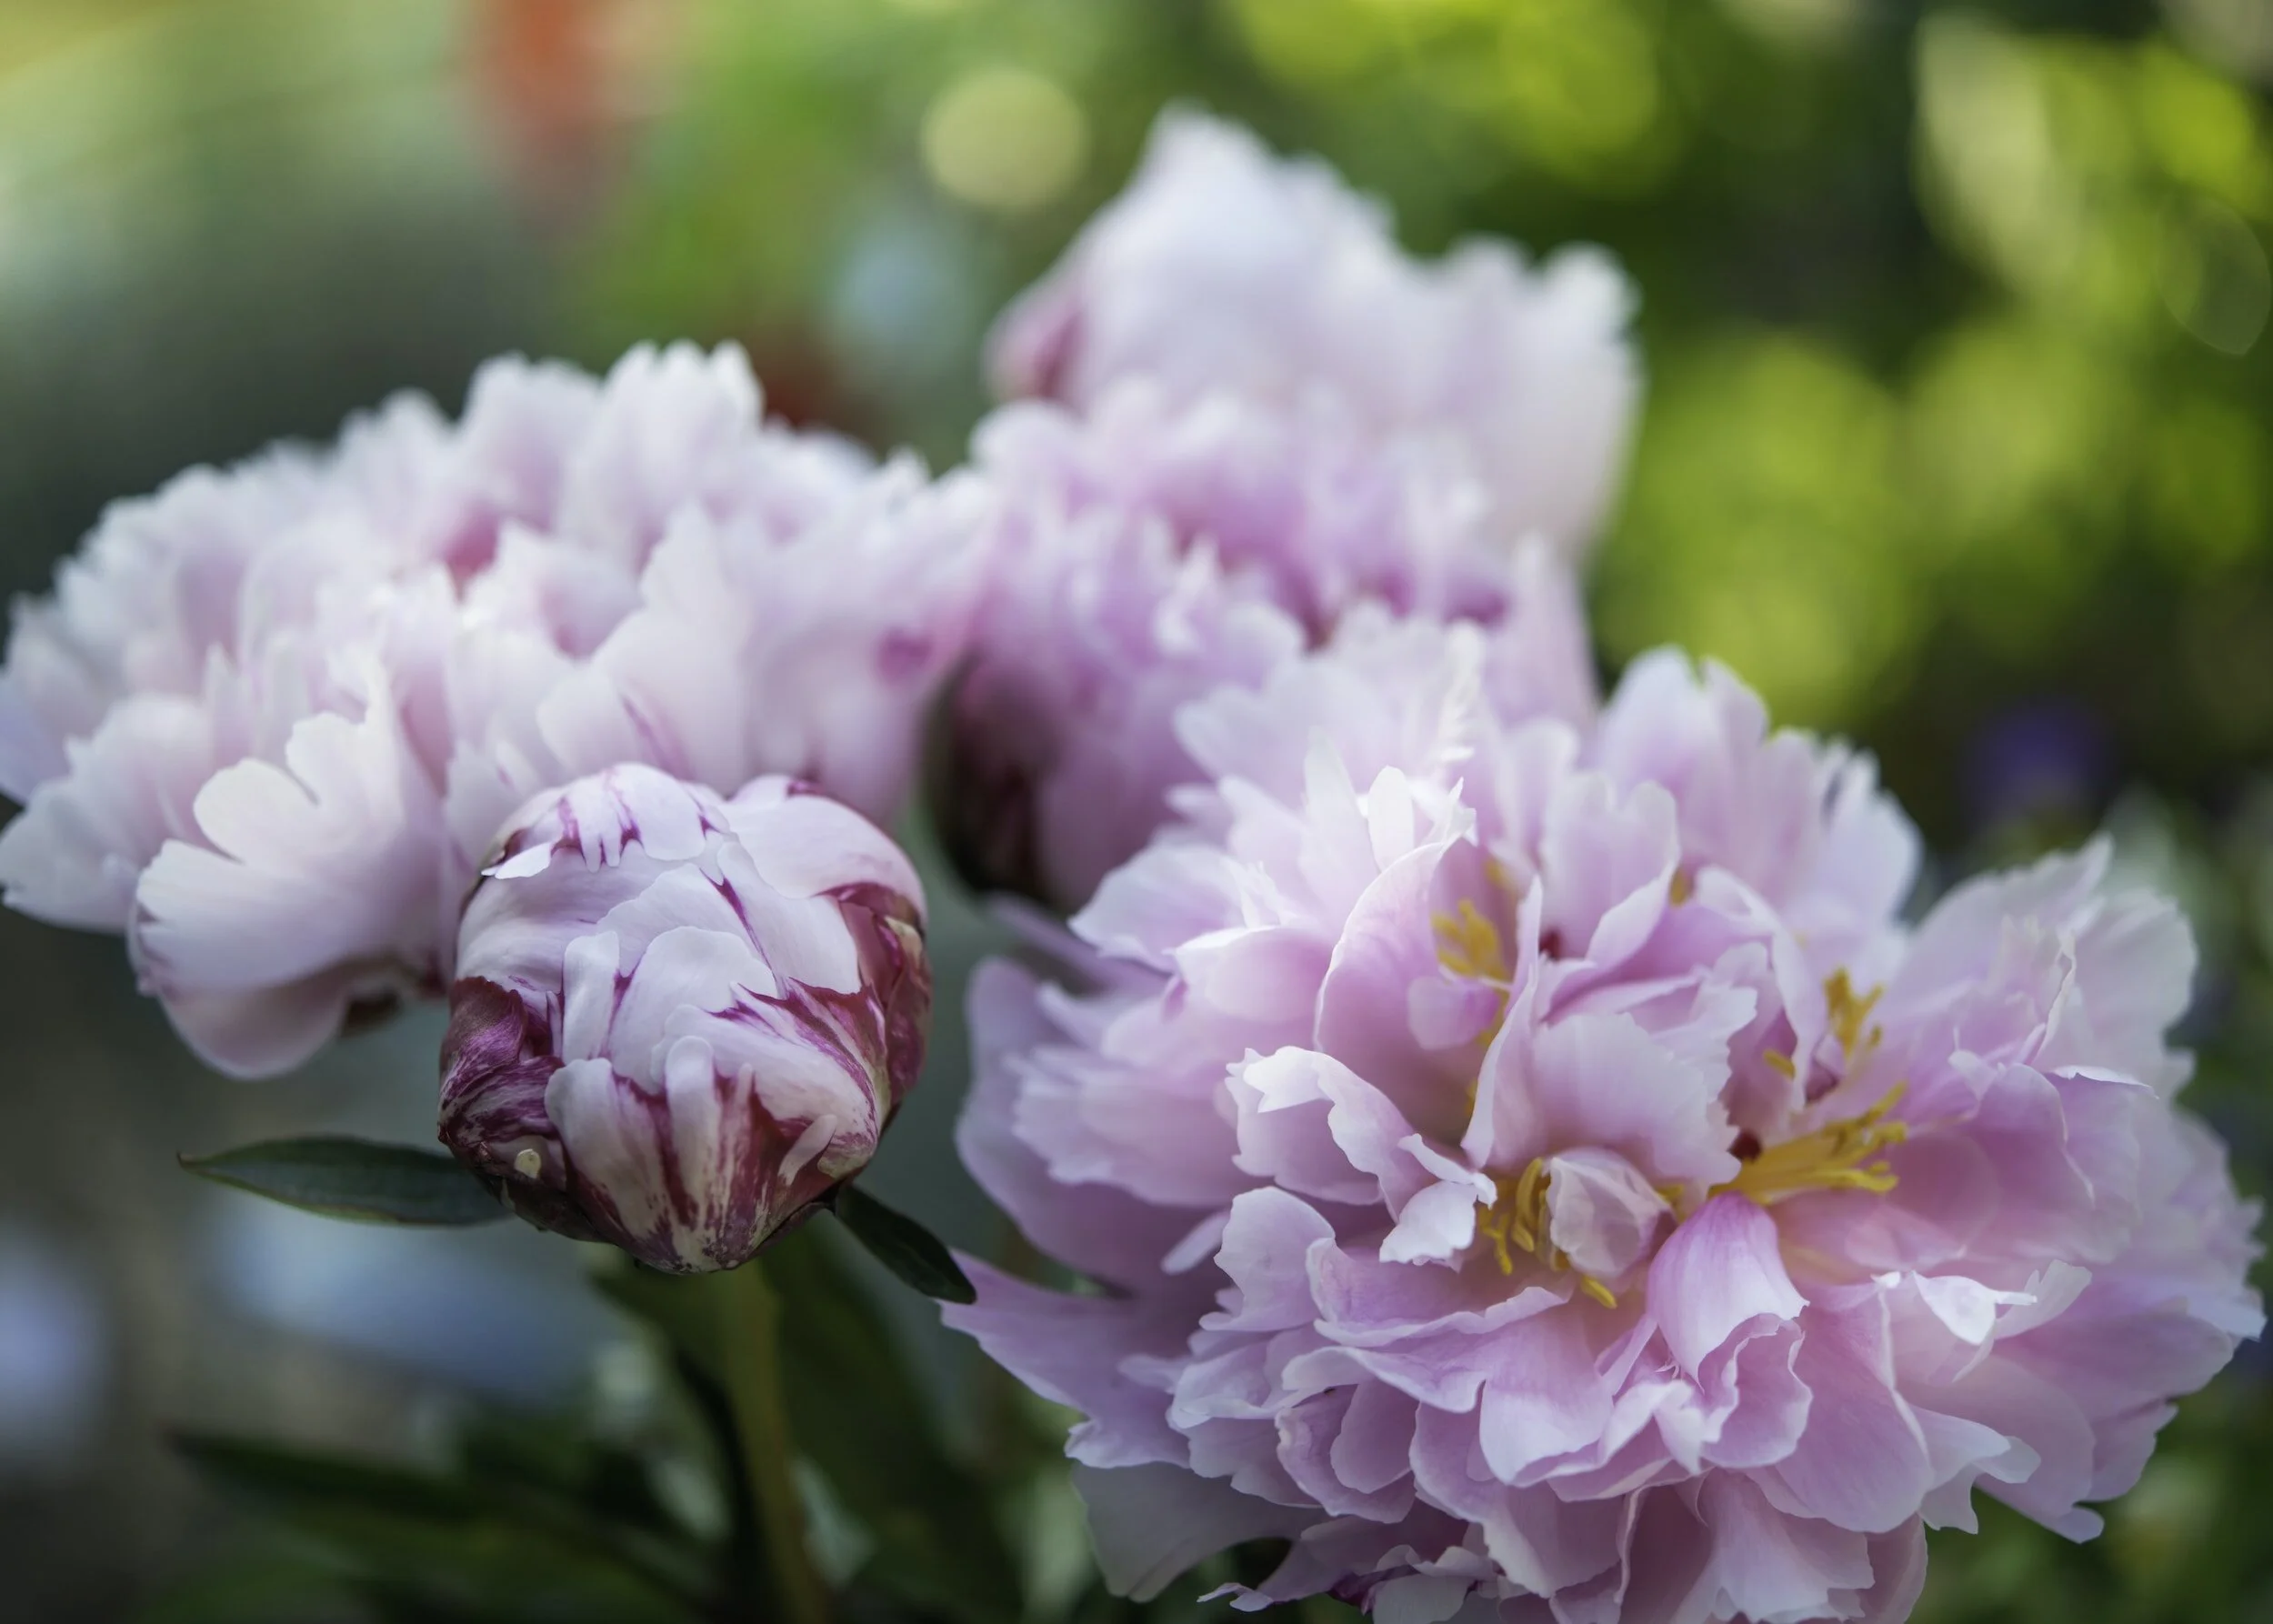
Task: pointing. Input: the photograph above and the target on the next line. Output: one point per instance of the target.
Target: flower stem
(761, 1425)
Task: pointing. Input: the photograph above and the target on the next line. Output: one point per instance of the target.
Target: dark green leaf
(856, 1413)
(273, 1582)
(296, 1477)
(860, 1415)
(695, 1316)
(537, 1457)
(355, 1178)
(687, 1310)
(418, 1539)
(903, 1246)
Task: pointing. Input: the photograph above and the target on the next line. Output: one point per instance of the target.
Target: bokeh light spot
(2213, 276)
(2208, 467)
(1581, 86)
(2019, 440)
(2237, 35)
(1004, 138)
(1311, 42)
(1766, 527)
(2204, 131)
(1989, 149)
(1809, 25)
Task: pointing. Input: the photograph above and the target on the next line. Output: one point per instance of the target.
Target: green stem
(761, 1424)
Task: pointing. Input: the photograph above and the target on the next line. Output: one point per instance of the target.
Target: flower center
(1849, 1015)
(1517, 1222)
(1849, 1012)
(1838, 1156)
(1468, 945)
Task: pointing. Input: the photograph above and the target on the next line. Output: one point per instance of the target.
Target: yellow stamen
(1468, 944)
(1848, 1013)
(1681, 888)
(1781, 1061)
(1517, 1222)
(1526, 1217)
(1838, 1156)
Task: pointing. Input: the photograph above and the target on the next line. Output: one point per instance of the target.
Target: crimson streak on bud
(680, 1020)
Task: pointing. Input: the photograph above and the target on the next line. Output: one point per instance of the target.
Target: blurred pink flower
(1264, 416)
(1142, 563)
(1536, 1172)
(273, 715)
(680, 1020)
(1223, 270)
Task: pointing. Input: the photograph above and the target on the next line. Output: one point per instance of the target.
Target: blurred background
(1959, 440)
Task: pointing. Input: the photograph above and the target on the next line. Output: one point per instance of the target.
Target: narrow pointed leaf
(903, 1246)
(355, 1178)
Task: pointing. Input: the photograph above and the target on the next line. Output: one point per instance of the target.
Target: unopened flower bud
(680, 1020)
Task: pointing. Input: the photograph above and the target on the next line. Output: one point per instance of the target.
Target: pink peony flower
(1224, 271)
(273, 715)
(1535, 1171)
(1143, 562)
(1265, 416)
(681, 1020)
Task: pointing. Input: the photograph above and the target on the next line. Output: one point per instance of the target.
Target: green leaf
(685, 1309)
(436, 1543)
(543, 1457)
(355, 1178)
(903, 1246)
(274, 1582)
(859, 1414)
(693, 1316)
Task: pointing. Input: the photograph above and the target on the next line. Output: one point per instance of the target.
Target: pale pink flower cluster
(1538, 1172)
(1255, 412)
(273, 715)
(1532, 1166)
(1224, 273)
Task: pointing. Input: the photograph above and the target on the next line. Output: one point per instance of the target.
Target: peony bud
(681, 1020)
